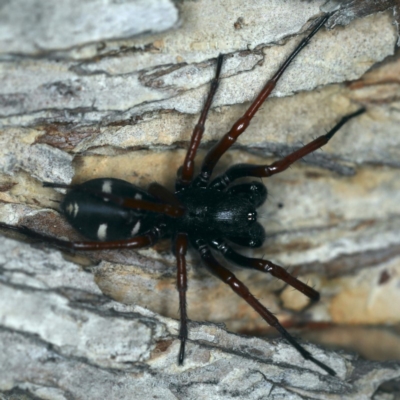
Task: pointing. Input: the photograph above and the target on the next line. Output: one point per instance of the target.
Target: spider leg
(173, 209)
(164, 195)
(181, 244)
(243, 122)
(240, 289)
(186, 173)
(245, 170)
(161, 208)
(264, 266)
(137, 242)
(58, 185)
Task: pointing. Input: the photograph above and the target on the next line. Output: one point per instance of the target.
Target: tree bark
(97, 89)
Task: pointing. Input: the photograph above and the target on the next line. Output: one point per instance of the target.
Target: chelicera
(209, 215)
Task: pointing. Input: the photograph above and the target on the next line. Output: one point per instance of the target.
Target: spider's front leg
(243, 122)
(240, 289)
(261, 171)
(264, 266)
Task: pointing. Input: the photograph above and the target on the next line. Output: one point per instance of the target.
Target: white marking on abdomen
(76, 209)
(102, 232)
(70, 208)
(135, 229)
(107, 187)
(138, 196)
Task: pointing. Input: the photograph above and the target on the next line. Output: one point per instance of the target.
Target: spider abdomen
(98, 218)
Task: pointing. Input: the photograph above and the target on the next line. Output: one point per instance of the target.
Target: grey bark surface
(96, 89)
(61, 338)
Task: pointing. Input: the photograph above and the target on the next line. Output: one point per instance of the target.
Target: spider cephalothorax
(115, 214)
(212, 213)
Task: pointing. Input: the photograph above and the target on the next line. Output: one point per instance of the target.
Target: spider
(209, 215)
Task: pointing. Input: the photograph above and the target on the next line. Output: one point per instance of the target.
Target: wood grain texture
(125, 107)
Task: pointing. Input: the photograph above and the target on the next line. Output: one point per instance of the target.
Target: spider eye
(252, 216)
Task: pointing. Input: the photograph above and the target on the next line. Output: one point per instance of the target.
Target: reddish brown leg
(148, 239)
(172, 210)
(161, 208)
(58, 185)
(265, 266)
(164, 195)
(242, 123)
(261, 171)
(186, 173)
(181, 244)
(239, 288)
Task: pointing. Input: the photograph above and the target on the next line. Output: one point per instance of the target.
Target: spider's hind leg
(149, 238)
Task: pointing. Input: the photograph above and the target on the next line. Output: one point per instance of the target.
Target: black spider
(115, 214)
